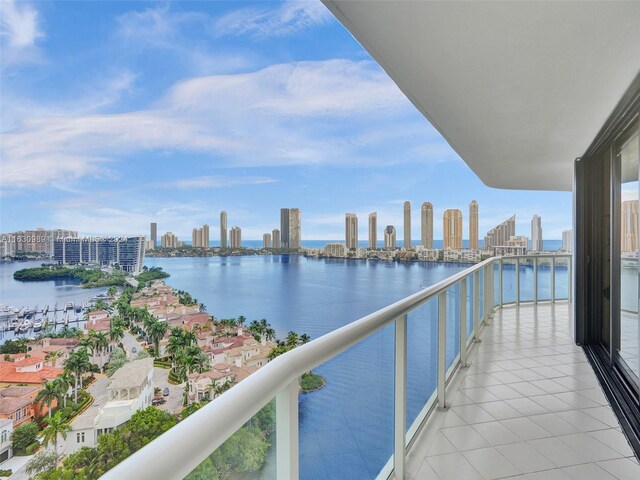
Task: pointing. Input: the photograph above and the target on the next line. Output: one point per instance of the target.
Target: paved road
(174, 400)
(129, 342)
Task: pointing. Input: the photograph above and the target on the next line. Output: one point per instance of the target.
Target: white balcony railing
(176, 453)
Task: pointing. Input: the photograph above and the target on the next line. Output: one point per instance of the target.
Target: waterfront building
(473, 225)
(284, 228)
(295, 234)
(390, 237)
(126, 252)
(169, 240)
(426, 225)
(567, 240)
(500, 234)
(629, 226)
(407, 225)
(373, 231)
(335, 250)
(275, 238)
(452, 229)
(32, 241)
(464, 255)
(536, 234)
(266, 240)
(223, 229)
(429, 254)
(154, 235)
(516, 245)
(200, 237)
(351, 231)
(130, 389)
(235, 237)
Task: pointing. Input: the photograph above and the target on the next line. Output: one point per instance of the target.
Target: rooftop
(131, 374)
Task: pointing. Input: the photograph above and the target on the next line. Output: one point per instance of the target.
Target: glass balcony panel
(508, 281)
(481, 295)
(526, 279)
(453, 323)
(470, 302)
(346, 428)
(562, 279)
(496, 283)
(250, 453)
(544, 278)
(422, 357)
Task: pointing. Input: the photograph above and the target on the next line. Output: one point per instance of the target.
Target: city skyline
(303, 147)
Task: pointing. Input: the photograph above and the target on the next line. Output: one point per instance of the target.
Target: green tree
(244, 452)
(50, 391)
(78, 363)
(116, 333)
(55, 426)
(117, 360)
(44, 461)
(292, 339)
(155, 331)
(205, 471)
(53, 357)
(25, 435)
(112, 291)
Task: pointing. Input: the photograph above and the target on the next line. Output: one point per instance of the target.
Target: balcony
(505, 391)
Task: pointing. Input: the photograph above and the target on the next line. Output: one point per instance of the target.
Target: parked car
(158, 401)
(165, 392)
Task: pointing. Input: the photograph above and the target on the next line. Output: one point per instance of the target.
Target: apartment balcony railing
(465, 301)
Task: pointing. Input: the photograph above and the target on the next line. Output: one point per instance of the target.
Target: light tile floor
(528, 407)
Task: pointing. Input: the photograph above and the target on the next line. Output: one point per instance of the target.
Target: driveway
(129, 342)
(176, 392)
(17, 465)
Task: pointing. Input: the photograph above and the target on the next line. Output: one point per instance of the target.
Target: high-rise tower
(390, 237)
(284, 228)
(536, 234)
(154, 234)
(473, 225)
(351, 231)
(373, 231)
(407, 225)
(452, 229)
(223, 229)
(426, 225)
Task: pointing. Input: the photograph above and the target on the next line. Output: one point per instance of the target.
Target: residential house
(6, 444)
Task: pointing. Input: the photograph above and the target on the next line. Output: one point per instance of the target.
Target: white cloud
(19, 30)
(216, 181)
(304, 113)
(291, 17)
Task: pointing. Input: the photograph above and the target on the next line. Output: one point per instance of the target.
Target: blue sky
(116, 114)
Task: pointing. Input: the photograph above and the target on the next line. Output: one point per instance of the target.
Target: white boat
(14, 324)
(24, 326)
(69, 306)
(37, 325)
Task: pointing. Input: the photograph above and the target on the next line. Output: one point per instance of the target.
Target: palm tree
(201, 362)
(270, 333)
(241, 320)
(155, 331)
(78, 363)
(101, 341)
(64, 382)
(87, 342)
(112, 291)
(50, 392)
(189, 338)
(304, 338)
(53, 357)
(292, 339)
(116, 333)
(55, 426)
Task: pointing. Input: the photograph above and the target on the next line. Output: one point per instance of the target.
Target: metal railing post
(569, 279)
(442, 346)
(553, 280)
(476, 304)
(517, 281)
(287, 432)
(535, 279)
(500, 285)
(400, 404)
(463, 323)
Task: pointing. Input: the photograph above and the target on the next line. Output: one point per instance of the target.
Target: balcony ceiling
(519, 90)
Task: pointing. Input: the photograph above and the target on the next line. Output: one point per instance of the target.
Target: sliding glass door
(625, 345)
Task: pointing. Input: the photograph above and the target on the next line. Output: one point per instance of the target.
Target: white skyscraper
(567, 240)
(536, 234)
(223, 229)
